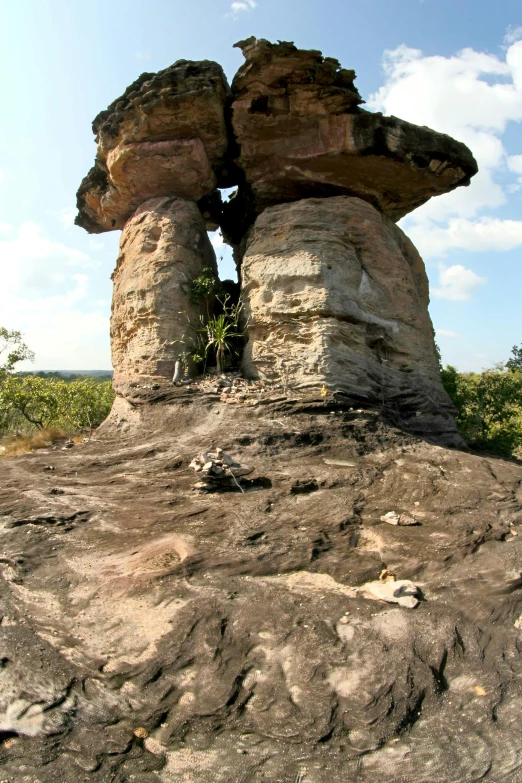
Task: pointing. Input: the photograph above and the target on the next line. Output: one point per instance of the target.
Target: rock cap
(165, 136)
(302, 133)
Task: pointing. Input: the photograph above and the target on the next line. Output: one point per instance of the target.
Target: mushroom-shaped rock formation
(165, 136)
(301, 133)
(163, 247)
(333, 291)
(336, 294)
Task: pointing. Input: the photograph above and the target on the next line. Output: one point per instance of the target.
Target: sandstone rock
(213, 623)
(165, 136)
(391, 517)
(301, 133)
(402, 592)
(163, 247)
(336, 294)
(407, 519)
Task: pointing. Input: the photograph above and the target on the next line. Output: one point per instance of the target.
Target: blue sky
(455, 65)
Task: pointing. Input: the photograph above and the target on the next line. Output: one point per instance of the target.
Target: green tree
(205, 288)
(223, 331)
(515, 362)
(12, 350)
(489, 408)
(45, 402)
(85, 403)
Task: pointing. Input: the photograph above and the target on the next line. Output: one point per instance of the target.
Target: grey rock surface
(233, 627)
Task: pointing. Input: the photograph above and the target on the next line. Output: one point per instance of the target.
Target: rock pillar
(164, 246)
(336, 294)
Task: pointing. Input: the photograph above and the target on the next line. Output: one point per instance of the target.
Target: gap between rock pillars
(227, 269)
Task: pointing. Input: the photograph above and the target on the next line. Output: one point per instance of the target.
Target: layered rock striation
(334, 294)
(164, 246)
(301, 132)
(166, 135)
(241, 631)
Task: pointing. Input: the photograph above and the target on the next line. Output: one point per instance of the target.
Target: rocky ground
(152, 631)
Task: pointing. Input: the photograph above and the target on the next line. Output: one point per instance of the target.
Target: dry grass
(14, 445)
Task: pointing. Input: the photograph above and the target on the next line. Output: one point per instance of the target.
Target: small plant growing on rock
(205, 288)
(222, 330)
(219, 332)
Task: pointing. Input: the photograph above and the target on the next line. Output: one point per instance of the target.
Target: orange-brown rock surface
(301, 133)
(163, 247)
(165, 136)
(333, 291)
(336, 294)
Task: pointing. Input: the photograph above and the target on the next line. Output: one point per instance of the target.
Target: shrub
(30, 402)
(489, 408)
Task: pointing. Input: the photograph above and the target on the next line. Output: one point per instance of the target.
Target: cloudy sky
(454, 65)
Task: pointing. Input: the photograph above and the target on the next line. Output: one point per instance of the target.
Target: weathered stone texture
(163, 247)
(335, 293)
(301, 133)
(320, 183)
(165, 136)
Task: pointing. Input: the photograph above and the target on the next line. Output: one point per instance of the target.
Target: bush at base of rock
(489, 408)
(31, 403)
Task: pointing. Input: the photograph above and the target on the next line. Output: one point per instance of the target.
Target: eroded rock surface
(336, 294)
(235, 628)
(290, 128)
(163, 247)
(165, 136)
(301, 133)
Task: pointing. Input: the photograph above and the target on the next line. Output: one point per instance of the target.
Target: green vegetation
(31, 403)
(12, 351)
(515, 363)
(48, 406)
(489, 405)
(222, 331)
(219, 336)
(205, 288)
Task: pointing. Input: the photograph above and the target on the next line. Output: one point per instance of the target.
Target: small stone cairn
(218, 471)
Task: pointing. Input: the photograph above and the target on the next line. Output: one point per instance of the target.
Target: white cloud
(480, 235)
(472, 96)
(46, 294)
(445, 333)
(1, 175)
(67, 339)
(95, 244)
(66, 216)
(457, 283)
(240, 6)
(515, 163)
(5, 227)
(33, 264)
(513, 34)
